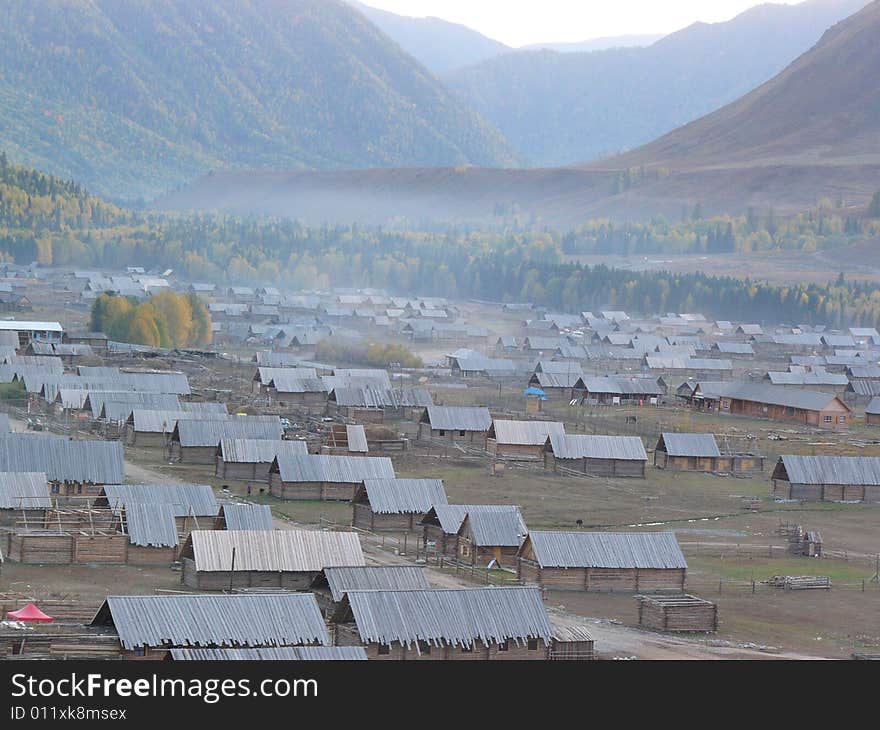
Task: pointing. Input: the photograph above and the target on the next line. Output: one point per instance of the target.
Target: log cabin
(609, 456)
(464, 424)
(249, 460)
(442, 527)
(445, 624)
(827, 478)
(325, 477)
(221, 560)
(700, 452)
(603, 561)
(196, 441)
(524, 440)
(395, 504)
(193, 505)
(148, 627)
(805, 407)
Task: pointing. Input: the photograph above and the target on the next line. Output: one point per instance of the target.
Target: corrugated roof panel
(259, 451)
(209, 433)
(334, 469)
(585, 446)
(282, 653)
(62, 459)
(273, 550)
(459, 617)
(832, 469)
(185, 499)
(151, 525)
(24, 490)
(525, 433)
(607, 550)
(690, 444)
(341, 579)
(215, 620)
(459, 418)
(245, 516)
(400, 496)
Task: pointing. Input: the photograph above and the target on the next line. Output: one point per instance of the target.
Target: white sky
(520, 22)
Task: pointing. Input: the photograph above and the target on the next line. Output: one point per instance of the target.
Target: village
(543, 486)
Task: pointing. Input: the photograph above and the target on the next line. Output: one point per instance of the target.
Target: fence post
(753, 585)
(719, 587)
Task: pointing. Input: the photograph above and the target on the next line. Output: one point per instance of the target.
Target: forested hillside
(66, 226)
(134, 98)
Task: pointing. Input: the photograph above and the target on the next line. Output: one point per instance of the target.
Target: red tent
(28, 613)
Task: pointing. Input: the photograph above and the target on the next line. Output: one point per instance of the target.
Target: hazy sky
(519, 22)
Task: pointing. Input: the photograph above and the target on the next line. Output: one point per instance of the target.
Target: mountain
(597, 44)
(565, 108)
(812, 132)
(136, 98)
(823, 109)
(439, 45)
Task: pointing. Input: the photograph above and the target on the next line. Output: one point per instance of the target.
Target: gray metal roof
(622, 385)
(874, 406)
(585, 446)
(371, 397)
(259, 451)
(460, 617)
(525, 433)
(156, 401)
(404, 496)
(151, 525)
(810, 378)
(246, 516)
(24, 490)
(829, 469)
(281, 653)
(734, 348)
(185, 499)
(865, 387)
(564, 367)
(97, 371)
(266, 374)
(333, 469)
(62, 459)
(149, 420)
(289, 383)
(204, 408)
(864, 371)
(458, 418)
(450, 516)
(556, 380)
(341, 579)
(769, 394)
(607, 550)
(356, 437)
(210, 433)
(5, 426)
(272, 550)
(243, 620)
(689, 444)
(498, 527)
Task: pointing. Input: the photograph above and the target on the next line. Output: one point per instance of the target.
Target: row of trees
(166, 319)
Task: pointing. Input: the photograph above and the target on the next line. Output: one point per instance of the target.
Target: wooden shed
(445, 624)
(395, 504)
(196, 441)
(610, 456)
(521, 439)
(501, 524)
(217, 560)
(149, 627)
(151, 429)
(827, 478)
(324, 477)
(603, 561)
(244, 516)
(455, 423)
(700, 452)
(571, 643)
(677, 613)
(249, 459)
(872, 412)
